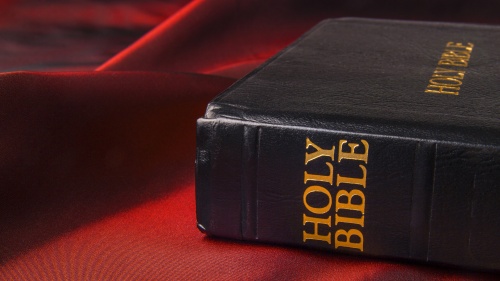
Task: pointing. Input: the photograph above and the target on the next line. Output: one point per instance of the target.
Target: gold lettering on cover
(448, 75)
(450, 80)
(440, 71)
(442, 90)
(316, 236)
(453, 79)
(464, 55)
(347, 242)
(453, 62)
(319, 151)
(460, 46)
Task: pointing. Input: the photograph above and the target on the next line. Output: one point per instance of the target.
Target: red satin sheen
(157, 241)
(225, 37)
(97, 167)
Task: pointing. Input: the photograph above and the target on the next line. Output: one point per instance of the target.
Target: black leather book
(371, 137)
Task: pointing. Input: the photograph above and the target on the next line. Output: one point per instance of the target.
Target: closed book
(370, 137)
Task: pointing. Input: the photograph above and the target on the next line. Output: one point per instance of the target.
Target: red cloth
(97, 167)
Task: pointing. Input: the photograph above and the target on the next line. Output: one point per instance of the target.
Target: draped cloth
(98, 105)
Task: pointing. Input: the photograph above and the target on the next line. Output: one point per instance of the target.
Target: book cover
(371, 137)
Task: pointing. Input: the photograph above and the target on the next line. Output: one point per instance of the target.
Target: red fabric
(97, 167)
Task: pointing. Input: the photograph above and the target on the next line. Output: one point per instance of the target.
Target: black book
(371, 137)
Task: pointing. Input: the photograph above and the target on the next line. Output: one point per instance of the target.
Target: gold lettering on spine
(350, 206)
(348, 243)
(324, 178)
(453, 60)
(317, 221)
(316, 236)
(319, 151)
(349, 195)
(317, 188)
(352, 155)
(359, 221)
(349, 201)
(359, 181)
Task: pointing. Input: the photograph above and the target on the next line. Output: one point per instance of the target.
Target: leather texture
(433, 169)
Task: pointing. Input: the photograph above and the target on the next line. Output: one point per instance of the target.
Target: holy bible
(371, 137)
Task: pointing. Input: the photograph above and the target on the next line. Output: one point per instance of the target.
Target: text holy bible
(380, 138)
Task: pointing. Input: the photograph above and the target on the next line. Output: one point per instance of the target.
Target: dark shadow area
(72, 152)
(74, 35)
(481, 11)
(382, 268)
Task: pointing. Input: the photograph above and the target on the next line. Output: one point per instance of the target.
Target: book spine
(366, 194)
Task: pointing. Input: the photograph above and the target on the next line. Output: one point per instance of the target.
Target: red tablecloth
(97, 166)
